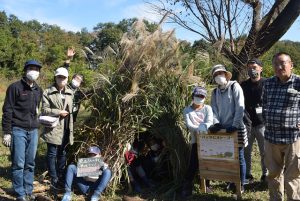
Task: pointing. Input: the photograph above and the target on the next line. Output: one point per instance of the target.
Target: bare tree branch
(239, 29)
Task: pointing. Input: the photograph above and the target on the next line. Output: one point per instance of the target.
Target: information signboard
(219, 159)
(89, 167)
(219, 147)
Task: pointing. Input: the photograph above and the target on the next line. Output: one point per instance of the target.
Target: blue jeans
(242, 165)
(56, 158)
(56, 161)
(23, 152)
(86, 186)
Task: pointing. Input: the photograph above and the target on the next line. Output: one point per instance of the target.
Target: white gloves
(7, 140)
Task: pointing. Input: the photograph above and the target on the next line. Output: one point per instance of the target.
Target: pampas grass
(146, 93)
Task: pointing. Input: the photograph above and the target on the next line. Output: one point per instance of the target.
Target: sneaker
(95, 198)
(60, 184)
(21, 199)
(31, 197)
(249, 179)
(242, 189)
(263, 178)
(67, 197)
(230, 187)
(209, 190)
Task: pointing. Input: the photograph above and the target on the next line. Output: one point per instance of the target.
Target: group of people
(147, 162)
(271, 105)
(20, 125)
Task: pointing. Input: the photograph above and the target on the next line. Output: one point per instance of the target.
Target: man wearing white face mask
(198, 118)
(227, 102)
(58, 102)
(20, 128)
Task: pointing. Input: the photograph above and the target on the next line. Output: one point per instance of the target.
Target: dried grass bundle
(147, 93)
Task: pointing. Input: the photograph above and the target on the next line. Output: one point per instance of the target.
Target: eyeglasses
(280, 64)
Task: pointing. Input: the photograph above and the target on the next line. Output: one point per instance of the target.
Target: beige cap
(62, 71)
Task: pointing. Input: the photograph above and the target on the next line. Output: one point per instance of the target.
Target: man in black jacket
(252, 89)
(20, 128)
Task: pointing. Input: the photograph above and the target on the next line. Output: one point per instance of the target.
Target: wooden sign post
(218, 157)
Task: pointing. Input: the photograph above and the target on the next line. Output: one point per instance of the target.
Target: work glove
(7, 140)
(231, 129)
(215, 128)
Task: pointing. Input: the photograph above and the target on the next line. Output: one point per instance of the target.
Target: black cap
(255, 61)
(32, 63)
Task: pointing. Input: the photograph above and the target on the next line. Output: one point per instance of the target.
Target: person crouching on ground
(198, 118)
(87, 185)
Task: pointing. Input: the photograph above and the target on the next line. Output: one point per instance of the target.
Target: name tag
(292, 91)
(258, 110)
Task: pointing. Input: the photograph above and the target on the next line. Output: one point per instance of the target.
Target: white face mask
(61, 82)
(32, 75)
(198, 101)
(154, 147)
(220, 80)
(75, 83)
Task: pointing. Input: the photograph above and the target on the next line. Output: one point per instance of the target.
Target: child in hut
(136, 172)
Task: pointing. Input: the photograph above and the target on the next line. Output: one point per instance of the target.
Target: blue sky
(72, 15)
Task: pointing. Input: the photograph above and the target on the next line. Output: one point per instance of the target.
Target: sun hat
(220, 67)
(62, 71)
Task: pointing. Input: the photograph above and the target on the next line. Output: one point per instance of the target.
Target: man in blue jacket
(20, 128)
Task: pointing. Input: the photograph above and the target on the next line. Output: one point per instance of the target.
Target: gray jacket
(52, 104)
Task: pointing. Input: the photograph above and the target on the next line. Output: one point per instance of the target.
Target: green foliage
(292, 48)
(110, 33)
(205, 56)
(20, 41)
(108, 36)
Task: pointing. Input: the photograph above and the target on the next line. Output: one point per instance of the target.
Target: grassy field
(255, 191)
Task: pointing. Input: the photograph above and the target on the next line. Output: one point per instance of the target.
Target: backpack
(246, 117)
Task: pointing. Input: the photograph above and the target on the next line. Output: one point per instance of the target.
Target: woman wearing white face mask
(58, 102)
(198, 118)
(227, 102)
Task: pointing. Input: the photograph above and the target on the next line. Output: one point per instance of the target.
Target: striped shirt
(281, 110)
